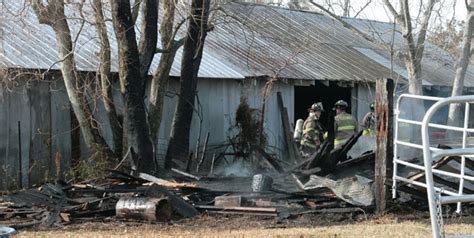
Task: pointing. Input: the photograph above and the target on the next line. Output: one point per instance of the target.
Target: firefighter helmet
(341, 104)
(317, 107)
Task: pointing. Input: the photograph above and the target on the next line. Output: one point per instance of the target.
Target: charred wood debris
(327, 182)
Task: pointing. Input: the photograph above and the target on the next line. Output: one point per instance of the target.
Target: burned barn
(253, 52)
(262, 67)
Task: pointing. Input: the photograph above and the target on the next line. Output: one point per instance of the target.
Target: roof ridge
(370, 20)
(274, 6)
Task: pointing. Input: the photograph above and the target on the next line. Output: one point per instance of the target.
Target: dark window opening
(305, 96)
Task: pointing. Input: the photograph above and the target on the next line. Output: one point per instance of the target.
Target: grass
(385, 227)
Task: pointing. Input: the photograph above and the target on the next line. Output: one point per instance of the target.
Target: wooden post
(384, 151)
(20, 165)
(287, 129)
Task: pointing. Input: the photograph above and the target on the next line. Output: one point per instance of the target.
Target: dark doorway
(328, 95)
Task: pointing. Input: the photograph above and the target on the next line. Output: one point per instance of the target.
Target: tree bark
(178, 146)
(135, 120)
(105, 78)
(461, 67)
(149, 37)
(157, 90)
(53, 15)
(161, 75)
(384, 138)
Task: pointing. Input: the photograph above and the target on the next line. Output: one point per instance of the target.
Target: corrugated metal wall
(44, 113)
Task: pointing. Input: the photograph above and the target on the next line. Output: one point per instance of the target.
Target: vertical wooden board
(384, 151)
(60, 124)
(11, 168)
(4, 100)
(26, 133)
(18, 107)
(41, 163)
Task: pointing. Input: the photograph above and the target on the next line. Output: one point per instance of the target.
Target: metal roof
(437, 66)
(283, 43)
(28, 44)
(247, 41)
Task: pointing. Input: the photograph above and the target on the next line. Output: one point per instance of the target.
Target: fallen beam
(263, 211)
(186, 174)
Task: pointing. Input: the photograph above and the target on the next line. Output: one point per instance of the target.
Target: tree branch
(363, 8)
(420, 44)
(345, 24)
(392, 10)
(135, 10)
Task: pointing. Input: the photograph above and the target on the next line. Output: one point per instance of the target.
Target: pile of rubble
(139, 196)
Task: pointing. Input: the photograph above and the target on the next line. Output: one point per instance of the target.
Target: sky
(377, 10)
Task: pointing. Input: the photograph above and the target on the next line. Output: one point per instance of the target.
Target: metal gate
(436, 195)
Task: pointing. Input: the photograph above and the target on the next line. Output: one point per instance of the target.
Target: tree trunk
(135, 121)
(53, 15)
(149, 37)
(415, 85)
(161, 76)
(157, 91)
(105, 80)
(461, 67)
(178, 146)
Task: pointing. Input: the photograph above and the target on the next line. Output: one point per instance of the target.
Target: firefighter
(368, 123)
(344, 124)
(312, 131)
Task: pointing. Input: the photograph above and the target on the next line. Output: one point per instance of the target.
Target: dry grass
(385, 227)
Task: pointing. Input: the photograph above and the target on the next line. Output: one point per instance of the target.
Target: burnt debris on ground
(329, 181)
(137, 196)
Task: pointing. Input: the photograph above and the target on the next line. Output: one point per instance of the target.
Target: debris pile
(143, 197)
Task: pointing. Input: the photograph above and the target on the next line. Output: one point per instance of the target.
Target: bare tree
(104, 76)
(134, 62)
(52, 14)
(413, 48)
(178, 146)
(135, 58)
(462, 64)
(169, 46)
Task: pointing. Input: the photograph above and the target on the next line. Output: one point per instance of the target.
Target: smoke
(238, 168)
(363, 144)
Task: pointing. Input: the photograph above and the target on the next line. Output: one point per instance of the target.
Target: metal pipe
(413, 145)
(395, 152)
(434, 125)
(406, 95)
(463, 158)
(437, 171)
(420, 184)
(427, 156)
(457, 198)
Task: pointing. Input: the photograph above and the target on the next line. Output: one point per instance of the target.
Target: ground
(331, 225)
